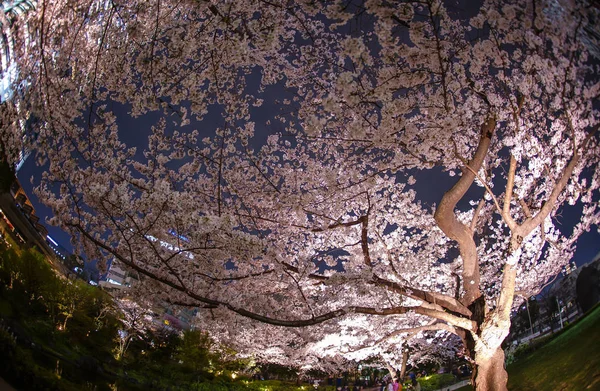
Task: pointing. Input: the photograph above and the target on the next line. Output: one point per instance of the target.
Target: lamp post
(558, 304)
(529, 316)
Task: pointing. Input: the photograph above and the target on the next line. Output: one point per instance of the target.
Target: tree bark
(448, 222)
(404, 361)
(392, 370)
(489, 373)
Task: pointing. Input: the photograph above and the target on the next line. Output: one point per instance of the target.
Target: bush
(533, 345)
(272, 385)
(18, 367)
(435, 382)
(209, 387)
(258, 385)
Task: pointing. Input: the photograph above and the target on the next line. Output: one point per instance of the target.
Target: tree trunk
(404, 361)
(64, 325)
(490, 374)
(392, 370)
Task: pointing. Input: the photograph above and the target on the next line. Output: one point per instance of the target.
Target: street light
(559, 303)
(529, 316)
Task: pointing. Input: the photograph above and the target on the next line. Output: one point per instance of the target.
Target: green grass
(569, 362)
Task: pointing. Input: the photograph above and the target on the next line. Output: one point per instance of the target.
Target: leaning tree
(288, 159)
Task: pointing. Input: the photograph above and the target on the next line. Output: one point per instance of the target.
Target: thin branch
(487, 188)
(530, 224)
(510, 183)
(476, 214)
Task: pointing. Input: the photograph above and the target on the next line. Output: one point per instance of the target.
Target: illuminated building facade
(58, 249)
(12, 14)
(117, 278)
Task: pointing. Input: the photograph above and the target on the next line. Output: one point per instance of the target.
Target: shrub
(435, 382)
(258, 385)
(533, 345)
(209, 387)
(18, 367)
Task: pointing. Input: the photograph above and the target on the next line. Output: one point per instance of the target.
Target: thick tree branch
(452, 319)
(417, 329)
(510, 183)
(437, 299)
(337, 224)
(454, 229)
(364, 241)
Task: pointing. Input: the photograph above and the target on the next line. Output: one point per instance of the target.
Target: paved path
(456, 385)
(4, 386)
(448, 388)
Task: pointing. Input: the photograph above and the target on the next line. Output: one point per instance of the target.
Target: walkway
(448, 388)
(456, 386)
(4, 386)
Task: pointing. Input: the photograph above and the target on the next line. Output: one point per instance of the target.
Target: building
(117, 278)
(12, 17)
(569, 268)
(12, 11)
(60, 251)
(26, 207)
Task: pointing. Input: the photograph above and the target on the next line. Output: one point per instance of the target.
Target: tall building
(12, 12)
(12, 15)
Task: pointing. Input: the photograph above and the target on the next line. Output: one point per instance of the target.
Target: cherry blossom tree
(310, 203)
(136, 320)
(331, 347)
(396, 350)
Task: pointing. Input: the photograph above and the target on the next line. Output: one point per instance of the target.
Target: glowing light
(52, 240)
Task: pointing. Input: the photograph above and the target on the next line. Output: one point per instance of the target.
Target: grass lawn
(570, 362)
